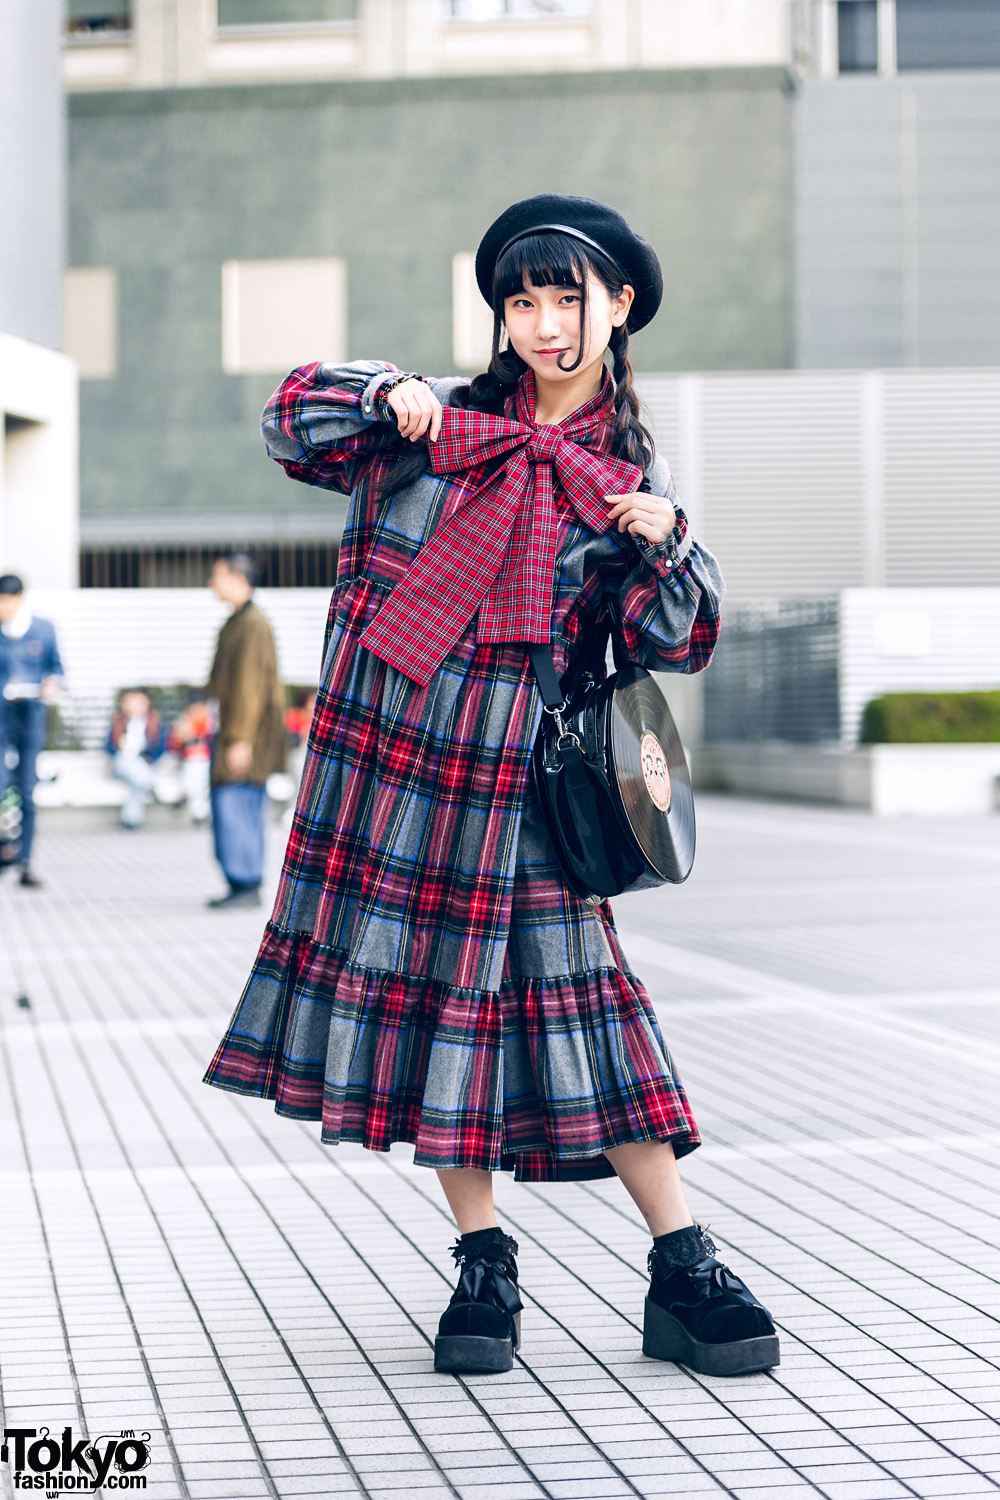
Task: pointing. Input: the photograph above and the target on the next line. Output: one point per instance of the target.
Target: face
(543, 324)
(227, 585)
(135, 705)
(217, 578)
(9, 606)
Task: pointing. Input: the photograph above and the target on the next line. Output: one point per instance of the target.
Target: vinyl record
(652, 775)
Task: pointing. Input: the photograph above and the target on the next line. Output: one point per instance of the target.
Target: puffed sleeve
(665, 598)
(325, 425)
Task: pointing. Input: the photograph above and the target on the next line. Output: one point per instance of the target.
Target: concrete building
(196, 215)
(38, 438)
(259, 182)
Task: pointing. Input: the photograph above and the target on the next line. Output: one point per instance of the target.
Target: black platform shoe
(481, 1326)
(701, 1315)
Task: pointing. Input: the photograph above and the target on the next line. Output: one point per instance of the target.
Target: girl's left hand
(648, 516)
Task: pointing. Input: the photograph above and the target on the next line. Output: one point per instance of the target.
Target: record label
(654, 771)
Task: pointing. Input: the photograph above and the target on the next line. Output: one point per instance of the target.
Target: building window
(948, 33)
(277, 314)
(90, 320)
(857, 36)
(284, 12)
(100, 18)
(521, 10)
(471, 319)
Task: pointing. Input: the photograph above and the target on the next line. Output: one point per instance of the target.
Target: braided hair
(553, 259)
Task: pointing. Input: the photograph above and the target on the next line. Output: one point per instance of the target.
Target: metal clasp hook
(565, 736)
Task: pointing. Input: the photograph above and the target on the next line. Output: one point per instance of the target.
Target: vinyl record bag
(612, 777)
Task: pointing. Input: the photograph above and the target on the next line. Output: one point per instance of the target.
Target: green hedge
(931, 719)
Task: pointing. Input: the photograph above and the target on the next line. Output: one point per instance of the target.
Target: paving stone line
(768, 1267)
(364, 1489)
(888, 1349)
(98, 1096)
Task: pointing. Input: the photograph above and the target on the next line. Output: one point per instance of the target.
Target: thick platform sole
(663, 1337)
(470, 1354)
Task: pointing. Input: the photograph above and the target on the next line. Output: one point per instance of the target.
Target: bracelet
(390, 385)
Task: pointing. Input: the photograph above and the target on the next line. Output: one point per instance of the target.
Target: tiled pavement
(178, 1260)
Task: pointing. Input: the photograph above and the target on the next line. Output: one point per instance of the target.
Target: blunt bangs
(540, 260)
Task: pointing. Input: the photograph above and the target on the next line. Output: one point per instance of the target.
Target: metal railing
(284, 565)
(776, 675)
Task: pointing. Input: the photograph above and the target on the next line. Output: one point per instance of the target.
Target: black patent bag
(611, 775)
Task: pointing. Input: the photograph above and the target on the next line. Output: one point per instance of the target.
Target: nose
(549, 326)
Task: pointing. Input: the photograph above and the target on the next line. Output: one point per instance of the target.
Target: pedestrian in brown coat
(250, 740)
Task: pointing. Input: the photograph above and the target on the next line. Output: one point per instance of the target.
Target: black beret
(593, 224)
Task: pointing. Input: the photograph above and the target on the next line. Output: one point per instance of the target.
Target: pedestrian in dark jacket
(250, 740)
(30, 674)
(428, 975)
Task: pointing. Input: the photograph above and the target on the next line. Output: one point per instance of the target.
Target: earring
(503, 342)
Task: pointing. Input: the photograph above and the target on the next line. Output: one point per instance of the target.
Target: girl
(427, 974)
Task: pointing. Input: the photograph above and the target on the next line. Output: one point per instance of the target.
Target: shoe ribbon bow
(712, 1279)
(484, 1280)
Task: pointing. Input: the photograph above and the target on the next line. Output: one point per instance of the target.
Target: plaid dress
(427, 975)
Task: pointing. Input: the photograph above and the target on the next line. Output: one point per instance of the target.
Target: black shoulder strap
(589, 658)
(593, 652)
(545, 673)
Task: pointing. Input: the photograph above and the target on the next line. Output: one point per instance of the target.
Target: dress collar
(600, 409)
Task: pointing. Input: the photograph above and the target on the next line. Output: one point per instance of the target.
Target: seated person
(135, 743)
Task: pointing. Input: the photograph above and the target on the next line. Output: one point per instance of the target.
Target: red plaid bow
(496, 552)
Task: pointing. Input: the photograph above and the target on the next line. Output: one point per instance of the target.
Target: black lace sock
(491, 1244)
(682, 1247)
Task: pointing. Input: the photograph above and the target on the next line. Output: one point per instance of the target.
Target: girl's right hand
(417, 410)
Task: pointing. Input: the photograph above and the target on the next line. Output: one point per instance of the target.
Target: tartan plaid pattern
(494, 554)
(426, 974)
(541, 1076)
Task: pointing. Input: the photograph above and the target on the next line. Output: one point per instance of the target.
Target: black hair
(11, 584)
(242, 563)
(553, 259)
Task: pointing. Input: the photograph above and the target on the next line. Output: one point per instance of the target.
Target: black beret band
(593, 225)
(574, 234)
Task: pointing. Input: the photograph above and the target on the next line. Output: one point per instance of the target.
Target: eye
(521, 301)
(569, 298)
